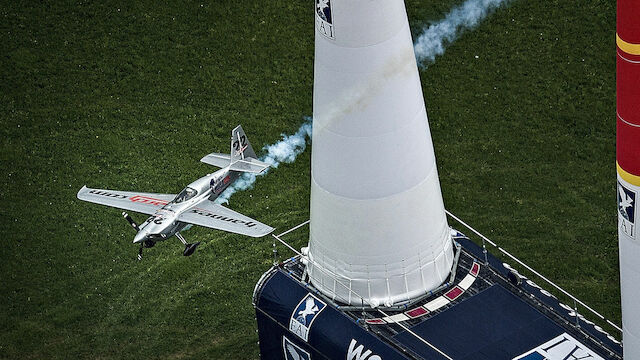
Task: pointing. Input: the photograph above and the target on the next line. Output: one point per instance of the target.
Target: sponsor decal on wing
(134, 198)
(108, 194)
(148, 200)
(304, 315)
(211, 215)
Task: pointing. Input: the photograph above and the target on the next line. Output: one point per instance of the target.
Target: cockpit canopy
(185, 195)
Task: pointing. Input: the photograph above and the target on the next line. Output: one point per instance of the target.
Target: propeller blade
(140, 252)
(130, 220)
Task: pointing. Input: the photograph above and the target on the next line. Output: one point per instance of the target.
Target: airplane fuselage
(163, 224)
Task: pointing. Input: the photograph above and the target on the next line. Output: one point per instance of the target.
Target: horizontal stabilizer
(217, 159)
(249, 165)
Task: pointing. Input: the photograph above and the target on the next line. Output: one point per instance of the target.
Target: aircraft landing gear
(189, 249)
(145, 244)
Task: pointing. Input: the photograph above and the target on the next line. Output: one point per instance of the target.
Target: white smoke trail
(428, 45)
(283, 151)
(433, 39)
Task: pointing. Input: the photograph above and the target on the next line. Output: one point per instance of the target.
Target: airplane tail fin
(242, 157)
(240, 146)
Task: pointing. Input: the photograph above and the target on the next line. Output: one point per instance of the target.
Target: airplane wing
(249, 165)
(212, 215)
(146, 203)
(217, 159)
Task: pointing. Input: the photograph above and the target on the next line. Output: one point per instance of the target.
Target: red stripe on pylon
(628, 24)
(628, 86)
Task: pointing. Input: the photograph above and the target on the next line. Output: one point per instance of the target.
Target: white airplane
(171, 214)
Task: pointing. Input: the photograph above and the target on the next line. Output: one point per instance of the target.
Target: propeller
(131, 222)
(137, 229)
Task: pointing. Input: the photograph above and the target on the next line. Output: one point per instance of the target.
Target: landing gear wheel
(189, 249)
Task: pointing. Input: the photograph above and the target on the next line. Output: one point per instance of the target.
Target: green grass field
(131, 96)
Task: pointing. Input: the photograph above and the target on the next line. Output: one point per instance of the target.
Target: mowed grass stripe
(131, 99)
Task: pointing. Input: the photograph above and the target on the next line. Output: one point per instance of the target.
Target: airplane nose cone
(140, 237)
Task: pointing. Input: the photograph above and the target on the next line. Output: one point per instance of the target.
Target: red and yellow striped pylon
(628, 167)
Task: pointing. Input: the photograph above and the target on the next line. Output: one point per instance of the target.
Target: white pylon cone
(378, 227)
